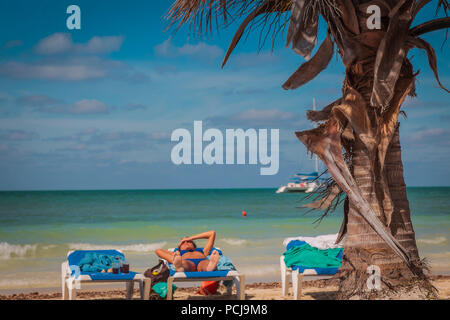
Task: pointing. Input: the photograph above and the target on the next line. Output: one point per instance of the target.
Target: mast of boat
(316, 159)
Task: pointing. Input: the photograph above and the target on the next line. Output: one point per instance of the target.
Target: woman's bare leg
(182, 264)
(213, 261)
(178, 262)
(211, 264)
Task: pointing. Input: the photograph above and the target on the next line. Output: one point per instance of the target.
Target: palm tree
(358, 134)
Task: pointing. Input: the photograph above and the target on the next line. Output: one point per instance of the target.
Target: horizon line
(171, 189)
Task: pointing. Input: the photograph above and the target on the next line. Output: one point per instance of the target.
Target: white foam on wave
(259, 271)
(436, 240)
(27, 283)
(440, 255)
(234, 242)
(8, 251)
(140, 247)
(50, 246)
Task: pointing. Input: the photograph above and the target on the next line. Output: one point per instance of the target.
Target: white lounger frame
(68, 283)
(237, 278)
(297, 279)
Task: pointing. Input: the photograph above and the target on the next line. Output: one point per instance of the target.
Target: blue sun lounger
(236, 278)
(72, 277)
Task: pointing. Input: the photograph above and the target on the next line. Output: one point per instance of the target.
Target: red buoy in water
(244, 214)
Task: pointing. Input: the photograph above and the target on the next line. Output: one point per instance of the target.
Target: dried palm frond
(443, 4)
(326, 198)
(271, 17)
(429, 26)
(433, 25)
(322, 115)
(310, 69)
(302, 32)
(390, 54)
(432, 60)
(265, 8)
(201, 15)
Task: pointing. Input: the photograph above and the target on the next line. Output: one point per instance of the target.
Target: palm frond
(324, 114)
(326, 198)
(310, 69)
(390, 54)
(202, 15)
(304, 22)
(432, 60)
(419, 5)
(443, 4)
(265, 8)
(429, 26)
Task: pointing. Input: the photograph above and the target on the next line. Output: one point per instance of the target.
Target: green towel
(161, 289)
(310, 257)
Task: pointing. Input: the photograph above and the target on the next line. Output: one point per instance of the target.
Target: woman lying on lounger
(190, 258)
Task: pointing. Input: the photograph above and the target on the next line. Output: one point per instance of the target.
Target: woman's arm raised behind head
(210, 244)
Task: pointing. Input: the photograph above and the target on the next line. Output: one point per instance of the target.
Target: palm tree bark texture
(358, 134)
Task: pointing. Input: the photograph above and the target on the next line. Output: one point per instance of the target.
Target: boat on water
(301, 182)
(304, 182)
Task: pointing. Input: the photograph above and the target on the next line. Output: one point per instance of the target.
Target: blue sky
(94, 108)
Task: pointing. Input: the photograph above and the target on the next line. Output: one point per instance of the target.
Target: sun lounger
(71, 275)
(237, 279)
(300, 273)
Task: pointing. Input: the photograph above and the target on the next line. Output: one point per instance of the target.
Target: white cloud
(200, 50)
(62, 43)
(246, 60)
(55, 43)
(73, 69)
(264, 115)
(68, 61)
(429, 134)
(51, 71)
(259, 118)
(17, 135)
(101, 45)
(13, 44)
(88, 106)
(36, 100)
(46, 104)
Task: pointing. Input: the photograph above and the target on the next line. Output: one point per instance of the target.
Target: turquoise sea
(38, 228)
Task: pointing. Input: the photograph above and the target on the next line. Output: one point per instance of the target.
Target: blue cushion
(203, 274)
(110, 276)
(320, 271)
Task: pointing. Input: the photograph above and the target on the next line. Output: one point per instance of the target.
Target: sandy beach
(312, 290)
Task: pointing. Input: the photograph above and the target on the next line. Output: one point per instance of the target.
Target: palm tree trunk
(363, 246)
(401, 226)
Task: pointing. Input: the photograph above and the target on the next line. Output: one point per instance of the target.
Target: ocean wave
(435, 240)
(260, 270)
(140, 247)
(234, 242)
(440, 255)
(49, 247)
(8, 251)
